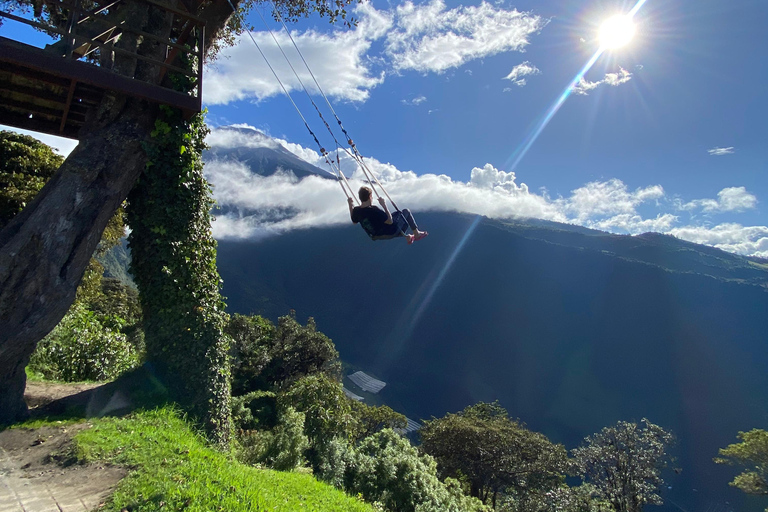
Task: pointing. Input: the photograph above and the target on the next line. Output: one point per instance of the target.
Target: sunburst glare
(616, 31)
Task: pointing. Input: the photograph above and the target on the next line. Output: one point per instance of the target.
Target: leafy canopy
(493, 453)
(624, 463)
(751, 453)
(26, 164)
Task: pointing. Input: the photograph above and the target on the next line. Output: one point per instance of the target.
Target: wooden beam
(23, 55)
(67, 105)
(37, 124)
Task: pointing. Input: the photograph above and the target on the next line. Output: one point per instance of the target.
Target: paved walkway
(31, 482)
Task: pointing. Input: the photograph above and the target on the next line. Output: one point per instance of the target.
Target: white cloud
(732, 199)
(430, 38)
(425, 38)
(720, 151)
(415, 101)
(521, 70)
(280, 203)
(338, 61)
(634, 223)
(615, 79)
(731, 237)
(612, 197)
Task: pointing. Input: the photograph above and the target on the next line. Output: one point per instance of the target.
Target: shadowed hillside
(570, 329)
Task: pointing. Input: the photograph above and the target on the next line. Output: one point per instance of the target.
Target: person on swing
(379, 223)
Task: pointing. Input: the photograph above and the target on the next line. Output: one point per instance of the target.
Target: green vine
(174, 265)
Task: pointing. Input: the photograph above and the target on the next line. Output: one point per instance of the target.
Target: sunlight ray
(422, 298)
(515, 158)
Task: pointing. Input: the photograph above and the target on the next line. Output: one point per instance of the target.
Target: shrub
(81, 347)
(264, 356)
(386, 468)
(281, 448)
(254, 410)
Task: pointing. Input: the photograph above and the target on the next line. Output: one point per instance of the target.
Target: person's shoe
(410, 239)
(419, 236)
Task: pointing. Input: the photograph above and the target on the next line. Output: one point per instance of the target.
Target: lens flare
(616, 32)
(544, 120)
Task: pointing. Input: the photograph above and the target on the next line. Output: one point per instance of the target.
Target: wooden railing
(83, 32)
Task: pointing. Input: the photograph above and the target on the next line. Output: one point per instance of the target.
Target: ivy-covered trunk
(174, 265)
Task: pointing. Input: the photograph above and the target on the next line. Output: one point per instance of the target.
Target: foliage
(288, 11)
(82, 347)
(326, 409)
(370, 419)
(264, 356)
(26, 164)
(252, 337)
(174, 263)
(299, 351)
(174, 470)
(492, 453)
(257, 409)
(624, 464)
(752, 454)
(385, 468)
(281, 448)
(582, 498)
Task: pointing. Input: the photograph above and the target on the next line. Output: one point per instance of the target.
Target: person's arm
(351, 203)
(383, 204)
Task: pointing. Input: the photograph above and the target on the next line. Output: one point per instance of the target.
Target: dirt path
(36, 473)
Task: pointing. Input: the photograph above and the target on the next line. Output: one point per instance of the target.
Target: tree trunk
(45, 249)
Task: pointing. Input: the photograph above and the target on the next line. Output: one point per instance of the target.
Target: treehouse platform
(51, 89)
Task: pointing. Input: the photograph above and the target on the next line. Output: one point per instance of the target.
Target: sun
(616, 31)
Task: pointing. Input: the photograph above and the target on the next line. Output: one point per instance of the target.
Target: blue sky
(666, 134)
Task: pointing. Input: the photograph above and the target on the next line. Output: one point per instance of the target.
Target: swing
(373, 229)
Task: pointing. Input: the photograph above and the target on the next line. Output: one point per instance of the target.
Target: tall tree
(751, 453)
(174, 266)
(493, 452)
(45, 249)
(624, 464)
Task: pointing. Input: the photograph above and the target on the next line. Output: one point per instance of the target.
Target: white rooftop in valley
(366, 382)
(352, 395)
(411, 426)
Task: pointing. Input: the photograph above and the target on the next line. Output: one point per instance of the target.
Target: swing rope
(357, 157)
(338, 174)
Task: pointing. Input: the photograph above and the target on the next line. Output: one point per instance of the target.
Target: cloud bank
(427, 38)
(259, 206)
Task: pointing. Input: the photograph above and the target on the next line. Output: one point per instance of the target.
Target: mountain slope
(570, 329)
(261, 153)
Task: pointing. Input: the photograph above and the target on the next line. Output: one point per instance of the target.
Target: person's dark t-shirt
(373, 220)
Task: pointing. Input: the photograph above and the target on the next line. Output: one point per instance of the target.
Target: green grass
(175, 470)
(33, 375)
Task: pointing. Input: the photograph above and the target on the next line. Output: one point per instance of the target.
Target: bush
(254, 410)
(387, 469)
(82, 347)
(326, 407)
(264, 356)
(282, 448)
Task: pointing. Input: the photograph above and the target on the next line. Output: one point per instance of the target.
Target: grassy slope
(175, 470)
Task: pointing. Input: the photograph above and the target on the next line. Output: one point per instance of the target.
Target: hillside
(571, 329)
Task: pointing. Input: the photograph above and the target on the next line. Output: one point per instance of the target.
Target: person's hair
(364, 194)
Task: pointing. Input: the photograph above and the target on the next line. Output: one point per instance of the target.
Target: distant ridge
(570, 329)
